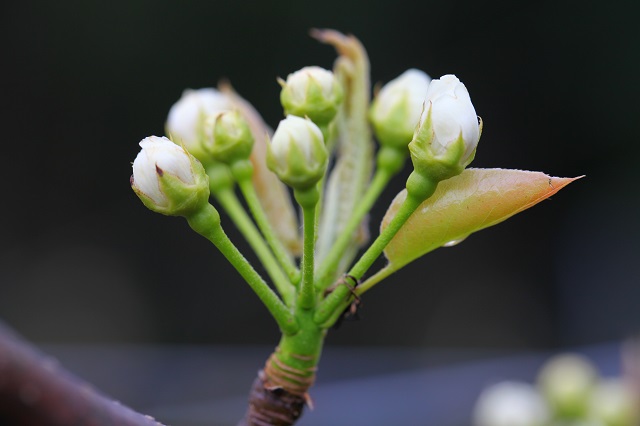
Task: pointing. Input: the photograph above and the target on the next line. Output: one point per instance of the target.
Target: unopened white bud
(510, 404)
(228, 137)
(187, 117)
(448, 131)
(566, 381)
(167, 178)
(614, 403)
(297, 154)
(312, 92)
(396, 109)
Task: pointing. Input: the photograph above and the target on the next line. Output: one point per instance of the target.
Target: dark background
(81, 260)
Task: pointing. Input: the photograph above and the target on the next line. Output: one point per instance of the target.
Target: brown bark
(271, 406)
(35, 390)
(278, 395)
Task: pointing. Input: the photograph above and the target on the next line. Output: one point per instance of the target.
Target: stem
(328, 267)
(206, 222)
(373, 280)
(308, 200)
(283, 257)
(339, 298)
(232, 206)
(280, 392)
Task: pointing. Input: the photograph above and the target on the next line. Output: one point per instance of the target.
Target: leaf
(354, 161)
(469, 202)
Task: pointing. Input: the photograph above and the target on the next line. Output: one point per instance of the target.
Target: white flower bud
(453, 115)
(448, 132)
(510, 404)
(614, 402)
(167, 178)
(312, 92)
(186, 119)
(566, 381)
(297, 154)
(396, 109)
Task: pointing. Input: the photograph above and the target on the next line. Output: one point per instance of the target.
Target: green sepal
(298, 172)
(184, 199)
(436, 167)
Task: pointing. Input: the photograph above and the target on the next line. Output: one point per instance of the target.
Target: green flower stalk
(228, 140)
(394, 115)
(169, 180)
(441, 148)
(221, 184)
(297, 155)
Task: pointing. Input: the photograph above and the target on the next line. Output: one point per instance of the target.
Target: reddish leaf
(474, 200)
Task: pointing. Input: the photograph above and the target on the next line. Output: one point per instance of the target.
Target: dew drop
(454, 242)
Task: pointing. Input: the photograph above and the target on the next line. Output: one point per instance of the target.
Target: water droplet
(454, 242)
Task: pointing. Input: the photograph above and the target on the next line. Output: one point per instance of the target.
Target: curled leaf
(353, 142)
(469, 202)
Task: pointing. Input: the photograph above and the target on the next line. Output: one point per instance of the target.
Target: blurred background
(82, 261)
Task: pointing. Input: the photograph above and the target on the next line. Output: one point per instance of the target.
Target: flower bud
(186, 120)
(297, 154)
(168, 179)
(312, 92)
(396, 109)
(510, 404)
(447, 135)
(566, 381)
(228, 137)
(613, 402)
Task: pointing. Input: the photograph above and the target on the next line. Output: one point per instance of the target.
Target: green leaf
(469, 202)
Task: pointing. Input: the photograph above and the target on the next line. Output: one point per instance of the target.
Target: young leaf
(469, 202)
(352, 171)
